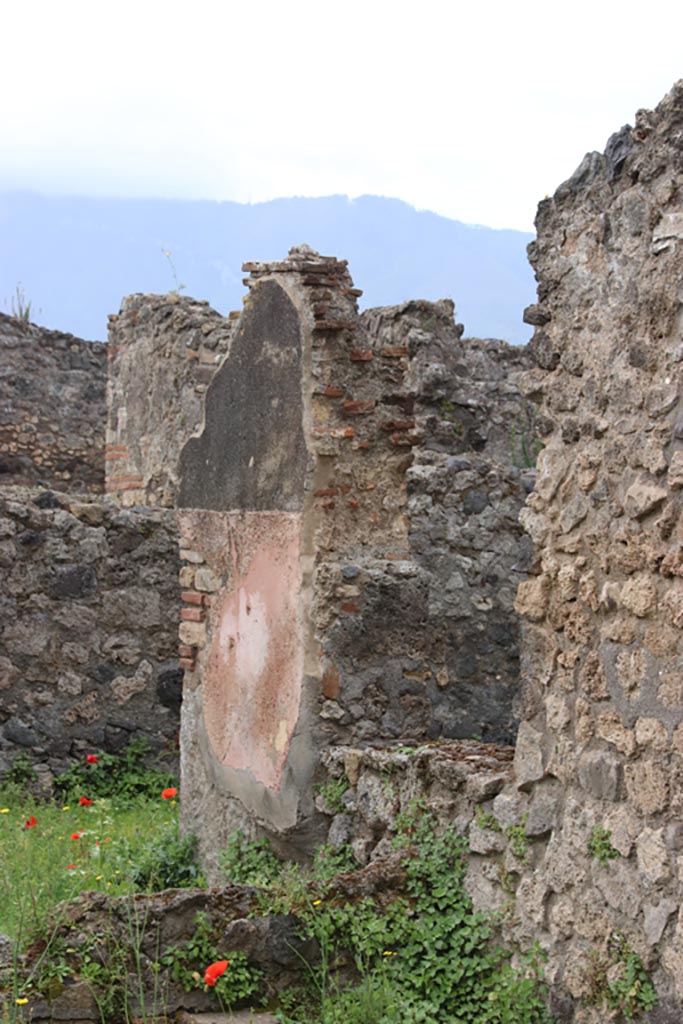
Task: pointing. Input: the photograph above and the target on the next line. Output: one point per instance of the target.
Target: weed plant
(427, 957)
(126, 841)
(423, 956)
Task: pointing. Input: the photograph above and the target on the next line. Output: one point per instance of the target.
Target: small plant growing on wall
(19, 305)
(600, 845)
(332, 793)
(518, 840)
(618, 979)
(177, 286)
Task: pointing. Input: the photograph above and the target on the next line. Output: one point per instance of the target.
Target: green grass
(119, 849)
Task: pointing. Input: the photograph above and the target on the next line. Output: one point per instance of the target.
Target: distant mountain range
(77, 257)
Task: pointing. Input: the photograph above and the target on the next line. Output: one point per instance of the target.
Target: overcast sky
(474, 110)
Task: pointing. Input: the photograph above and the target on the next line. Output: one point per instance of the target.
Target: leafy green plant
(166, 861)
(249, 861)
(186, 961)
(332, 793)
(600, 845)
(187, 965)
(329, 862)
(518, 839)
(618, 979)
(21, 772)
(240, 983)
(427, 956)
(123, 777)
(485, 819)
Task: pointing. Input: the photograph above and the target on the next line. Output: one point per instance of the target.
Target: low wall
(89, 619)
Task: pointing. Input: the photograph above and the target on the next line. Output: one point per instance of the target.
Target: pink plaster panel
(253, 668)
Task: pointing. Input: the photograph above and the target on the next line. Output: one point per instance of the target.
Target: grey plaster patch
(251, 453)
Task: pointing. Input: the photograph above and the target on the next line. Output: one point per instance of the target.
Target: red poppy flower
(91, 759)
(76, 835)
(214, 971)
(84, 802)
(168, 794)
(71, 867)
(31, 822)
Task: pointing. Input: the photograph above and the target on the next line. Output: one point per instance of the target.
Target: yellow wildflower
(4, 810)
(22, 1002)
(316, 903)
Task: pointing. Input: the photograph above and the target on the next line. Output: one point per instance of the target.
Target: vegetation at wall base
(419, 956)
(426, 957)
(125, 776)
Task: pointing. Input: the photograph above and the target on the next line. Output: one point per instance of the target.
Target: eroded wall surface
(88, 628)
(599, 758)
(52, 408)
(350, 544)
(163, 350)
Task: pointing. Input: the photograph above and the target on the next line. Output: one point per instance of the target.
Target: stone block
(656, 917)
(647, 786)
(642, 498)
(652, 855)
(529, 758)
(532, 598)
(639, 595)
(486, 840)
(599, 774)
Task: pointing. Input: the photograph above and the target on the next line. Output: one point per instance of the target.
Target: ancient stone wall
(163, 351)
(52, 408)
(89, 618)
(350, 541)
(599, 760)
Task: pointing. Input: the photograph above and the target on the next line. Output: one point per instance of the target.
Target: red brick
(349, 607)
(334, 392)
(398, 425)
(185, 651)
(190, 597)
(191, 614)
(361, 355)
(395, 351)
(353, 503)
(358, 407)
(333, 325)
(326, 492)
(187, 663)
(331, 687)
(207, 600)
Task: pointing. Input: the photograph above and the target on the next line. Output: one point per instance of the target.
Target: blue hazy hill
(76, 257)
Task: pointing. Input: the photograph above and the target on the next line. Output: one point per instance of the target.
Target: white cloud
(474, 113)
